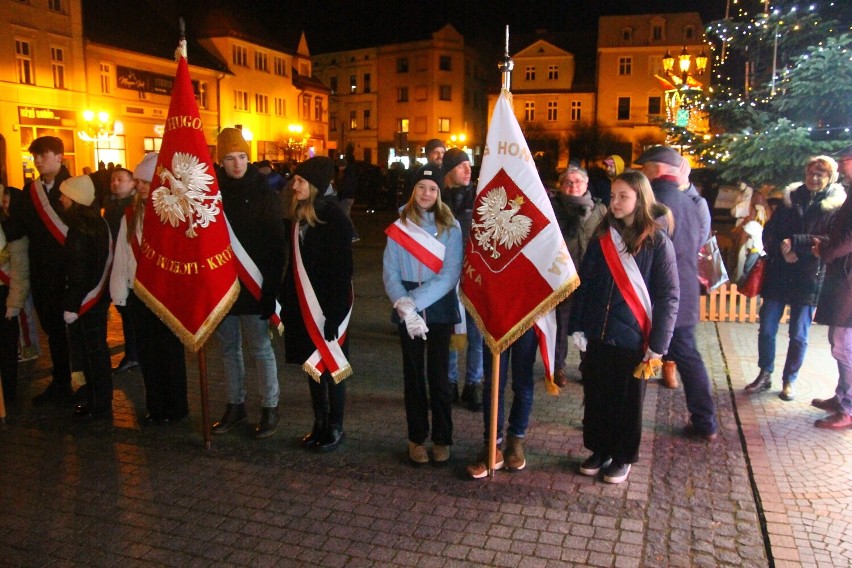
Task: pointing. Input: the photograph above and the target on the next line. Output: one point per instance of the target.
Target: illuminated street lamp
(458, 140)
(296, 142)
(97, 129)
(684, 98)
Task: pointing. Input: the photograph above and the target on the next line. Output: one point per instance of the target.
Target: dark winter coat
(47, 273)
(578, 218)
(254, 213)
(326, 251)
(460, 201)
(114, 212)
(691, 230)
(835, 300)
(802, 216)
(84, 259)
(600, 311)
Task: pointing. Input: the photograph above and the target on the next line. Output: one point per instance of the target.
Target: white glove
(12, 313)
(69, 317)
(580, 340)
(405, 306)
(651, 355)
(416, 326)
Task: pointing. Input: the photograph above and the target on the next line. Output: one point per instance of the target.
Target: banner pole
(205, 401)
(495, 399)
(2, 404)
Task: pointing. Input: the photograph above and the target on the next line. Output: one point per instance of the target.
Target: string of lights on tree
(782, 86)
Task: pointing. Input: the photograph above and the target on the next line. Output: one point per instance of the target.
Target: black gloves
(330, 331)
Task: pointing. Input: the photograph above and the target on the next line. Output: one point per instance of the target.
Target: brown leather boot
(669, 374)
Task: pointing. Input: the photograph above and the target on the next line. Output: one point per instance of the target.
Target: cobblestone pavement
(128, 494)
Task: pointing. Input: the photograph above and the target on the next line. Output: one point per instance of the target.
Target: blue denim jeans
(473, 375)
(841, 349)
(260, 346)
(522, 355)
(800, 323)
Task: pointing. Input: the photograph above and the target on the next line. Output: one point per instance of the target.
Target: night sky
(332, 25)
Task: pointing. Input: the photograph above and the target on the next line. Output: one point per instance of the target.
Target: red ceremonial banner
(516, 266)
(186, 271)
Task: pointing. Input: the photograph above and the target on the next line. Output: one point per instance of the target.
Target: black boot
(311, 439)
(330, 438)
(234, 414)
(268, 423)
(472, 395)
(763, 382)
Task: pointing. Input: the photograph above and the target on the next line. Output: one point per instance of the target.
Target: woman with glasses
(794, 275)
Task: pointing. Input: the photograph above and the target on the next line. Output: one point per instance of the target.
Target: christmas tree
(783, 91)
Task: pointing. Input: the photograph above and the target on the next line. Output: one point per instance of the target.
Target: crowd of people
(636, 306)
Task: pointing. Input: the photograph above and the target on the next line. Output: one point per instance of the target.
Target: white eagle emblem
(499, 225)
(186, 199)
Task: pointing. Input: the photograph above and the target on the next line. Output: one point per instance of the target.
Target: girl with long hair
(623, 314)
(317, 298)
(421, 269)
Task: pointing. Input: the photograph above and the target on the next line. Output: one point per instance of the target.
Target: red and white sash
(95, 293)
(251, 277)
(328, 355)
(625, 273)
(46, 213)
(423, 246)
(428, 250)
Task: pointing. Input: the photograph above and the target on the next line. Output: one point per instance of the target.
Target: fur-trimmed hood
(835, 195)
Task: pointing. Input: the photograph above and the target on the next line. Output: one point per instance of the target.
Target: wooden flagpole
(495, 400)
(2, 404)
(205, 400)
(505, 66)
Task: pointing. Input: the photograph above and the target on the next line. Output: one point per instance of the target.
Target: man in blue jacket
(665, 168)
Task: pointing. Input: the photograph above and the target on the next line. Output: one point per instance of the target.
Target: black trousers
(88, 336)
(8, 350)
(162, 360)
(612, 421)
(328, 400)
(48, 305)
(428, 362)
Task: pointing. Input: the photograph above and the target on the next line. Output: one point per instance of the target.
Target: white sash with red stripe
(328, 355)
(428, 250)
(46, 213)
(628, 278)
(423, 246)
(251, 277)
(95, 293)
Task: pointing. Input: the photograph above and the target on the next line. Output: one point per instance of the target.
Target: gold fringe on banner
(190, 341)
(498, 345)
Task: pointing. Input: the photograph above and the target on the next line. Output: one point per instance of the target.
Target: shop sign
(33, 116)
(146, 82)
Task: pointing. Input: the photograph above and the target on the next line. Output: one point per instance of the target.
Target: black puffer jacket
(326, 251)
(460, 201)
(802, 217)
(835, 300)
(254, 212)
(47, 275)
(601, 312)
(84, 259)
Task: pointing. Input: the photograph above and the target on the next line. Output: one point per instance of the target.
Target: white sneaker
(616, 472)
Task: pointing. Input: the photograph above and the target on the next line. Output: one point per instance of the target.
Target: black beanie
(432, 172)
(434, 143)
(454, 157)
(318, 171)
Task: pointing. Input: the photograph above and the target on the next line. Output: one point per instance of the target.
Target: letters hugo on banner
(517, 267)
(186, 271)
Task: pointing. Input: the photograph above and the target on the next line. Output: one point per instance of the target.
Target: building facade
(547, 102)
(432, 87)
(42, 82)
(630, 94)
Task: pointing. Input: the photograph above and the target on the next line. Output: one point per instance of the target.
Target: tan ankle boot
(515, 460)
(669, 374)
